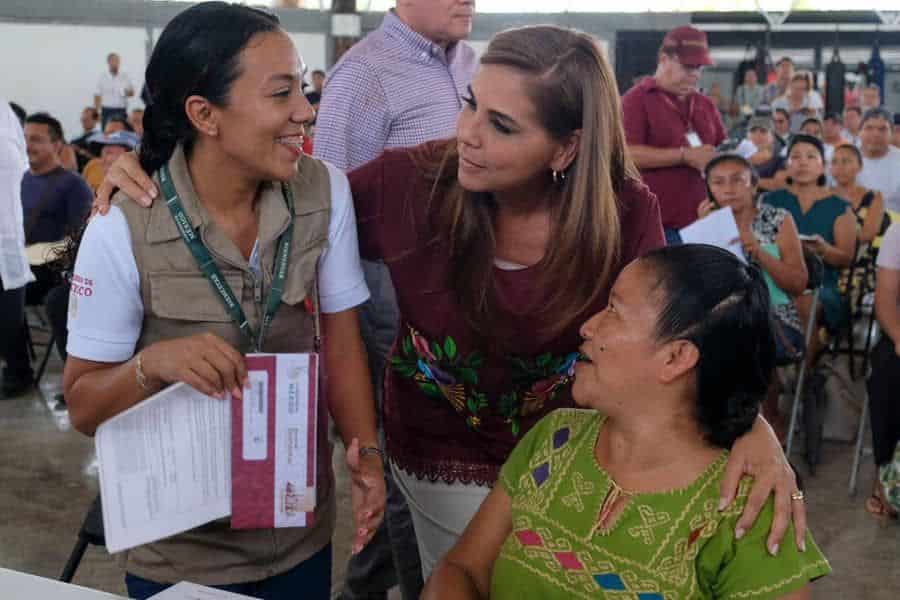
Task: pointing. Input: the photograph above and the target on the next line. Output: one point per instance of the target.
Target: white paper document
(191, 591)
(718, 229)
(746, 149)
(164, 466)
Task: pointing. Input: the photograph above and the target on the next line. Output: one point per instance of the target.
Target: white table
(15, 585)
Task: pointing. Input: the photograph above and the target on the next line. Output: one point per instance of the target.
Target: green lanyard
(214, 275)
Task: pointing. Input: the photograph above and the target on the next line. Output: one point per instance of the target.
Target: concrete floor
(47, 483)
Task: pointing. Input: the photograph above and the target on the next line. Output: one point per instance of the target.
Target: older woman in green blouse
(622, 498)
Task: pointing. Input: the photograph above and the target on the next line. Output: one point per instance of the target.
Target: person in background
(318, 85)
(781, 123)
(54, 204)
(852, 123)
(720, 101)
(113, 90)
(136, 120)
(95, 170)
(420, 45)
(769, 239)
(767, 161)
(115, 145)
(84, 150)
(895, 139)
(833, 130)
(812, 126)
(867, 204)
(799, 101)
(870, 98)
(749, 94)
(672, 130)
(618, 498)
(784, 73)
(824, 219)
(881, 160)
(872, 222)
(15, 273)
(884, 380)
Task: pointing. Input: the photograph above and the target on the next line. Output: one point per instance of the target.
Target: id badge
(693, 139)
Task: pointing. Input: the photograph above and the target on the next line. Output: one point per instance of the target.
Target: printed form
(181, 459)
(164, 466)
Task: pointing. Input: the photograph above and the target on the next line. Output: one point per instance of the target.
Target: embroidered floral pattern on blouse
(442, 372)
(537, 380)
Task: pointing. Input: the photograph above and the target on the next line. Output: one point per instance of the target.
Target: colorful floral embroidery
(442, 372)
(538, 381)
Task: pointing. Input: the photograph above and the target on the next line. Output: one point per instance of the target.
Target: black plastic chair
(91, 533)
(813, 417)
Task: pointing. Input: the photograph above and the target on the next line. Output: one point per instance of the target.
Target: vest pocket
(302, 271)
(190, 296)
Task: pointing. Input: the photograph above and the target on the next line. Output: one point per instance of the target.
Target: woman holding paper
(496, 241)
(254, 248)
(769, 238)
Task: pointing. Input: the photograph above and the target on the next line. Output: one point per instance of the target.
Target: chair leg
(795, 408)
(29, 343)
(801, 375)
(74, 560)
(40, 371)
(858, 451)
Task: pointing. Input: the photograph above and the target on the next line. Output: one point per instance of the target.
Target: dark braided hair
(721, 306)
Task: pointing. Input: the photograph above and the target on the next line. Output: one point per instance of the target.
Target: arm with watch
(115, 378)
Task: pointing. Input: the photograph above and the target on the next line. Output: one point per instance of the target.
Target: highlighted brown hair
(573, 88)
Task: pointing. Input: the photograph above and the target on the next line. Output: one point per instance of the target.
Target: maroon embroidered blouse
(454, 411)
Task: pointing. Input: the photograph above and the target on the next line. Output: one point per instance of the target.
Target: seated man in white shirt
(881, 160)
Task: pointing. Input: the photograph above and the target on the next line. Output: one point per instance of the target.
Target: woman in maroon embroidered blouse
(495, 242)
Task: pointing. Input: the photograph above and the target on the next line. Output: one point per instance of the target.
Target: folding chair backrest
(815, 269)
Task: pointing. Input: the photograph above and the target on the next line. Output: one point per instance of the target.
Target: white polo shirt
(883, 174)
(106, 311)
(111, 89)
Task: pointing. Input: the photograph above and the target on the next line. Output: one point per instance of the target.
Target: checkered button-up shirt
(394, 88)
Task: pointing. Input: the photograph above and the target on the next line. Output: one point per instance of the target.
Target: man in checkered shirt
(399, 86)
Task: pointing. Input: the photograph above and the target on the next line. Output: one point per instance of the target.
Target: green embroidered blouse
(664, 546)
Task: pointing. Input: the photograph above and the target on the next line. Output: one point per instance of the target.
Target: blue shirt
(819, 220)
(63, 199)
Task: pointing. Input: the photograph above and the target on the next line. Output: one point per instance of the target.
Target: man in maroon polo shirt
(672, 130)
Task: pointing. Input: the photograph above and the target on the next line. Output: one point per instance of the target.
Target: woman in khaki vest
(225, 127)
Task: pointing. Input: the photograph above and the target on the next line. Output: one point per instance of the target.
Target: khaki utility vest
(179, 301)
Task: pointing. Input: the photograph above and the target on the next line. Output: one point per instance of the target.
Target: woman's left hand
(759, 455)
(817, 244)
(749, 243)
(367, 494)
